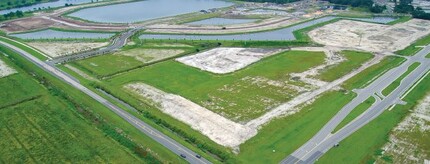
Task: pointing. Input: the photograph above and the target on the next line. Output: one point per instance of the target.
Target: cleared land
(369, 36)
(408, 142)
(57, 49)
(216, 127)
(239, 96)
(226, 60)
(5, 70)
(110, 64)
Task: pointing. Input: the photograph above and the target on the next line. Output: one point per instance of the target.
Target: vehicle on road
(183, 156)
(198, 156)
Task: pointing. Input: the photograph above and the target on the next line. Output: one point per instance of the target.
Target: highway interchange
(164, 140)
(324, 139)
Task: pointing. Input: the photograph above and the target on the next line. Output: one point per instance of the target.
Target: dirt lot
(409, 140)
(226, 60)
(26, 24)
(369, 36)
(150, 55)
(57, 49)
(216, 127)
(5, 70)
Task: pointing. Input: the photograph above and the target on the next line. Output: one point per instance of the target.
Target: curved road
(324, 139)
(164, 140)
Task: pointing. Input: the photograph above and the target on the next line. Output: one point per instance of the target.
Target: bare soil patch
(371, 37)
(226, 60)
(216, 127)
(408, 141)
(5, 70)
(57, 49)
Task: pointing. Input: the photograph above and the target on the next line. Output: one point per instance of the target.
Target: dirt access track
(371, 37)
(43, 20)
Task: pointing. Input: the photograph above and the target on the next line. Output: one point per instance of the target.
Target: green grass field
(368, 75)
(207, 88)
(390, 88)
(45, 130)
(413, 49)
(38, 127)
(354, 60)
(355, 113)
(128, 59)
(365, 144)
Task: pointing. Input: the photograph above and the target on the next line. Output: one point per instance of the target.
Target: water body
(284, 34)
(53, 34)
(58, 3)
(222, 21)
(146, 10)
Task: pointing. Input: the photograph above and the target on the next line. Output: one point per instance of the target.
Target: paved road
(324, 139)
(164, 140)
(117, 43)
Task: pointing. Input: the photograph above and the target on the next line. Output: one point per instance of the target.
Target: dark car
(198, 156)
(183, 156)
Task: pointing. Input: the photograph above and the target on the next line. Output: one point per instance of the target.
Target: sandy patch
(57, 49)
(369, 36)
(402, 145)
(150, 55)
(214, 126)
(5, 70)
(226, 60)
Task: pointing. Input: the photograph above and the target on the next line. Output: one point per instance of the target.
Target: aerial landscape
(215, 81)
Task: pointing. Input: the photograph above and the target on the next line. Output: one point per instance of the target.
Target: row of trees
(11, 15)
(405, 6)
(273, 1)
(361, 3)
(8, 4)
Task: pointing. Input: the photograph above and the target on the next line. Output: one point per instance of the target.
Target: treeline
(8, 4)
(11, 15)
(405, 6)
(361, 3)
(272, 1)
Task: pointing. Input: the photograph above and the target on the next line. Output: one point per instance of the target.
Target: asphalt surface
(164, 140)
(324, 139)
(117, 43)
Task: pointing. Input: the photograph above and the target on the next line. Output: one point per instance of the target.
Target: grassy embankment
(367, 141)
(112, 125)
(39, 126)
(354, 60)
(390, 88)
(415, 47)
(355, 113)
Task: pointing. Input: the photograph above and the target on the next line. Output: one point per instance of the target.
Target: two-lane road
(164, 140)
(324, 139)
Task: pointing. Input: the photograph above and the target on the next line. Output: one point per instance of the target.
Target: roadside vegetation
(283, 136)
(354, 60)
(40, 126)
(367, 141)
(110, 124)
(355, 113)
(415, 47)
(370, 74)
(390, 88)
